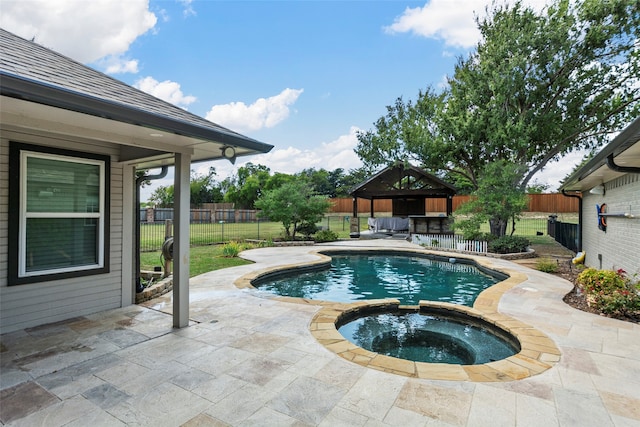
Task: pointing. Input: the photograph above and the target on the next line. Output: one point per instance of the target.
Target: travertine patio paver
(247, 359)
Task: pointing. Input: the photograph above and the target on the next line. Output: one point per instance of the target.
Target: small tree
(293, 204)
(498, 199)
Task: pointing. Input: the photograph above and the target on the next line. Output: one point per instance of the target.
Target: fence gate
(567, 235)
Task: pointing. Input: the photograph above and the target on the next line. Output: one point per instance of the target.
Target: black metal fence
(565, 233)
(152, 235)
(239, 227)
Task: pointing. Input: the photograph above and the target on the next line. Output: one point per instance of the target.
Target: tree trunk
(498, 226)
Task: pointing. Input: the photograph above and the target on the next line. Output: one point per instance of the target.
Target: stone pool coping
(538, 352)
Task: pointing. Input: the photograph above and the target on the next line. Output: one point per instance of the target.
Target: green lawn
(152, 235)
(202, 260)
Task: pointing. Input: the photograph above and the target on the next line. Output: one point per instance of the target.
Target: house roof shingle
(32, 72)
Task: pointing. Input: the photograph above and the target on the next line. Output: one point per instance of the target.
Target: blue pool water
(424, 338)
(407, 278)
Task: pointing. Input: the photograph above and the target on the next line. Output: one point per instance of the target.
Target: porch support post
(371, 208)
(181, 212)
(449, 205)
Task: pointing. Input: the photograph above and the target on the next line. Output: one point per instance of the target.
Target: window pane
(61, 243)
(59, 186)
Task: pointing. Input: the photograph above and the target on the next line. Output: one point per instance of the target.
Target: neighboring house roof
(622, 153)
(403, 181)
(34, 73)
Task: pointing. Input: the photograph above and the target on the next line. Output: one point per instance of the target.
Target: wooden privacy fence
(537, 203)
(216, 212)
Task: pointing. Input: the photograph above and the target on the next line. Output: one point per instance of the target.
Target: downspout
(139, 181)
(624, 169)
(579, 217)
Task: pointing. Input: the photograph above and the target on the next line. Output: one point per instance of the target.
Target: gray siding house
(71, 139)
(609, 185)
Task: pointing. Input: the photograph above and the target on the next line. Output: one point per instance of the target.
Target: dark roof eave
(403, 195)
(46, 94)
(620, 143)
(360, 188)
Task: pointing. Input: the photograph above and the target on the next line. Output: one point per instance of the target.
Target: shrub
(509, 245)
(326, 236)
(307, 229)
(231, 249)
(596, 281)
(611, 292)
(547, 265)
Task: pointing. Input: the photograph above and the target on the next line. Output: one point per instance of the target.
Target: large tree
(244, 188)
(202, 189)
(537, 86)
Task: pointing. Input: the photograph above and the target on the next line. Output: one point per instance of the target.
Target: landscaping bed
(550, 251)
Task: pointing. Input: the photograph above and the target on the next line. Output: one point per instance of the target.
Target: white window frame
(24, 215)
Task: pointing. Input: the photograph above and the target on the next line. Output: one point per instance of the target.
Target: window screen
(62, 214)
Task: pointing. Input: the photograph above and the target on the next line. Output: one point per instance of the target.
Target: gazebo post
(449, 205)
(371, 207)
(354, 225)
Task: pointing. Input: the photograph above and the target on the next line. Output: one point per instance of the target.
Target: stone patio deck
(250, 360)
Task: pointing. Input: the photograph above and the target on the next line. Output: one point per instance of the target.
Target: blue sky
(304, 76)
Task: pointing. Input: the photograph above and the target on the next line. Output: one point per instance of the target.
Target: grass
(546, 246)
(202, 260)
(152, 235)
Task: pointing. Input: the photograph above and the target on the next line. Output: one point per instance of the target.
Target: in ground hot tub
(428, 334)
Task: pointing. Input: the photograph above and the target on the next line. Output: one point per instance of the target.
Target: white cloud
(452, 21)
(119, 65)
(188, 8)
(86, 31)
(167, 90)
(263, 113)
(449, 20)
(328, 155)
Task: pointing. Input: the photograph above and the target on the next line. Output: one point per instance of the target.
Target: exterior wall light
(598, 189)
(229, 153)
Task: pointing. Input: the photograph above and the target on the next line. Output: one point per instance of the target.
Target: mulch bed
(579, 300)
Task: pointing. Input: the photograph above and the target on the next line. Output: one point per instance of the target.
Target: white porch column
(181, 209)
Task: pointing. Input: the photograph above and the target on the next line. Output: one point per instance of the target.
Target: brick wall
(619, 247)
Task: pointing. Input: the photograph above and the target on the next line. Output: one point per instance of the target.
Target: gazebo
(407, 187)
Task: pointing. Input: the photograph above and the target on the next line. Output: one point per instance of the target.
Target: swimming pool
(407, 277)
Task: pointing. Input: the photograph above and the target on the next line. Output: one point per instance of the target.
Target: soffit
(625, 150)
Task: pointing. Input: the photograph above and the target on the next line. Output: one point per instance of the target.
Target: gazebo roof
(403, 181)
